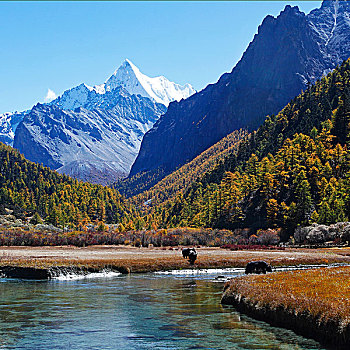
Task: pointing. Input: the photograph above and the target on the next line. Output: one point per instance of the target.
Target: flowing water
(149, 311)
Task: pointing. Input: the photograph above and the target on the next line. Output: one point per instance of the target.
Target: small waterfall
(76, 273)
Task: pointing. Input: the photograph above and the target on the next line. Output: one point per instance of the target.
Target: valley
(113, 180)
(259, 183)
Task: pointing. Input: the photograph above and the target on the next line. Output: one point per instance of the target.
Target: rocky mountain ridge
(295, 50)
(97, 145)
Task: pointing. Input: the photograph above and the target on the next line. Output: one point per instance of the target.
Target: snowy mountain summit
(129, 77)
(160, 89)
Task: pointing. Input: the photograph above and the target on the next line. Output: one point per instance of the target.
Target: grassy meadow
(159, 259)
(318, 297)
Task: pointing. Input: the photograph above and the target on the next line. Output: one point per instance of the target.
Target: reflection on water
(150, 311)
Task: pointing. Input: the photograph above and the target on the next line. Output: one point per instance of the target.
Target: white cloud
(50, 95)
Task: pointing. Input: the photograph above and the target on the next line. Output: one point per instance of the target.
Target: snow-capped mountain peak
(159, 88)
(126, 83)
(93, 132)
(78, 96)
(129, 77)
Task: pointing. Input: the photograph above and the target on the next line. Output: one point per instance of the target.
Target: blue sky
(58, 45)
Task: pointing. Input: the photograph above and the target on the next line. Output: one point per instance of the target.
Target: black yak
(258, 267)
(186, 252)
(190, 254)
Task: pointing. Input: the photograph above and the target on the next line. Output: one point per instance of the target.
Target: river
(140, 311)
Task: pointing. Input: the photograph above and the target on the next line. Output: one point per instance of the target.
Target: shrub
(268, 237)
(36, 219)
(319, 234)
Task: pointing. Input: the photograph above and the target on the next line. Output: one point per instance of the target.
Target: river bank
(126, 259)
(313, 303)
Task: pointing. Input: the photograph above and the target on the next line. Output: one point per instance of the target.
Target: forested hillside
(293, 170)
(30, 188)
(182, 178)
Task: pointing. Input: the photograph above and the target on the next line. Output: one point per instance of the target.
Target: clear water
(150, 311)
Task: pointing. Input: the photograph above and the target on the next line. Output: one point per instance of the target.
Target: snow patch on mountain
(331, 24)
(8, 126)
(74, 98)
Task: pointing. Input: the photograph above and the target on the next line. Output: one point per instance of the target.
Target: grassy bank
(314, 303)
(157, 259)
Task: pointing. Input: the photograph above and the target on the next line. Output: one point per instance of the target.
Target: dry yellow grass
(337, 250)
(322, 293)
(156, 259)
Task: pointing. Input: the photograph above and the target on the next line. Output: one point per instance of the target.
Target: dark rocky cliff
(287, 53)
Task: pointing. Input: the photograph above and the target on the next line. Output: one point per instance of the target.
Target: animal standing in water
(258, 267)
(190, 254)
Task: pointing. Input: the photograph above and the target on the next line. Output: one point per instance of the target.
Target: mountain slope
(97, 145)
(293, 49)
(293, 170)
(29, 187)
(8, 126)
(182, 178)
